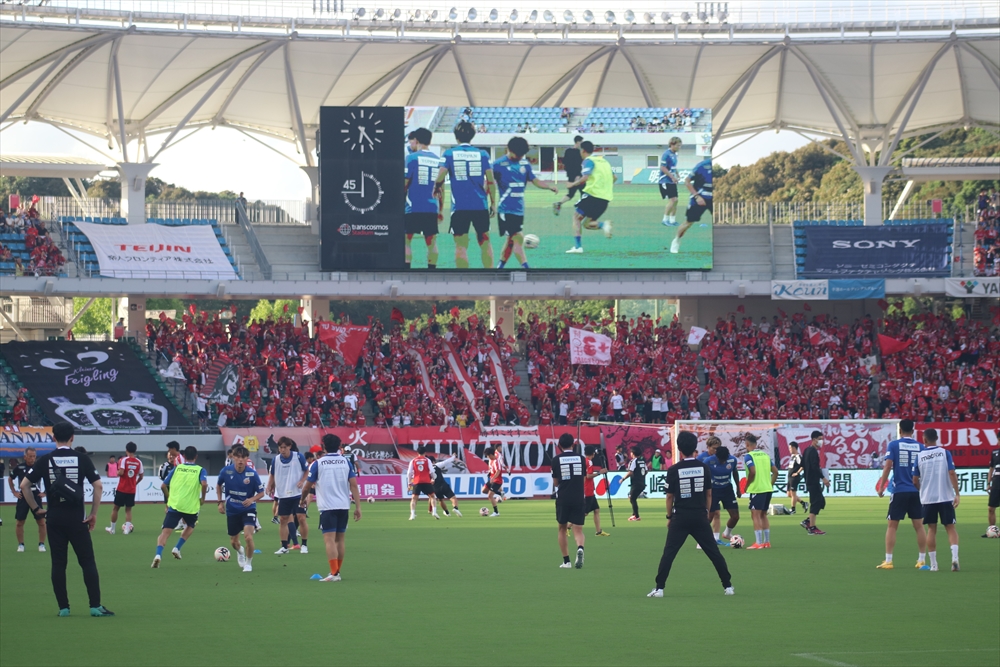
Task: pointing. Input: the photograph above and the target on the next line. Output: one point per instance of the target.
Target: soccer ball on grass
(993, 531)
(483, 511)
(128, 527)
(531, 241)
(222, 554)
(736, 542)
(371, 500)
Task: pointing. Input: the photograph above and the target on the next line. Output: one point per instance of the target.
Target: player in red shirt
(421, 476)
(589, 493)
(130, 473)
(494, 485)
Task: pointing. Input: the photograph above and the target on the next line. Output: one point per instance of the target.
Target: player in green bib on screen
(761, 476)
(184, 489)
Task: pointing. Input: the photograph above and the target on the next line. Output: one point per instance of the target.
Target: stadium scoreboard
(361, 164)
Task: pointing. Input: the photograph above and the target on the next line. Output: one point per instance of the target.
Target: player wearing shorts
(420, 475)
(423, 204)
(336, 485)
(494, 479)
(900, 458)
(288, 474)
(130, 473)
(442, 489)
(513, 173)
(590, 503)
(699, 186)
(471, 179)
(760, 486)
(669, 180)
(935, 479)
(598, 182)
(21, 512)
(184, 488)
(239, 488)
(569, 470)
(573, 165)
(993, 488)
(637, 480)
(722, 465)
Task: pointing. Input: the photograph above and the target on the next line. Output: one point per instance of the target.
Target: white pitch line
(825, 661)
(836, 663)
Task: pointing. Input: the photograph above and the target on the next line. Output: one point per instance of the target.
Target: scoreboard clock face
(361, 162)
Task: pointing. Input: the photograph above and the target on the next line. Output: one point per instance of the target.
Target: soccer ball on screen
(484, 511)
(128, 527)
(371, 500)
(222, 554)
(531, 241)
(993, 531)
(736, 542)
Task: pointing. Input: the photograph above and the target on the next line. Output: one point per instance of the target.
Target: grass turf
(474, 590)
(639, 240)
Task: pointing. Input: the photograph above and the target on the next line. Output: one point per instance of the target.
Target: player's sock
(716, 536)
(159, 550)
(922, 557)
(673, 219)
(758, 536)
(243, 551)
(767, 536)
(180, 543)
(333, 566)
(284, 544)
(565, 559)
(954, 553)
(933, 556)
(579, 241)
(304, 540)
(666, 218)
(888, 558)
(727, 533)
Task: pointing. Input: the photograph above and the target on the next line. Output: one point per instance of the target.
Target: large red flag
(397, 316)
(890, 345)
(347, 340)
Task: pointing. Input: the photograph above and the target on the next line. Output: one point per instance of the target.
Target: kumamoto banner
(972, 288)
(897, 251)
(97, 387)
(155, 251)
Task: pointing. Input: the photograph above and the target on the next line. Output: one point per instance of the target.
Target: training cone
(316, 577)
(256, 551)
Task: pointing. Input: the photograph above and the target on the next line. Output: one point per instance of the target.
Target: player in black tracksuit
(442, 489)
(637, 479)
(689, 497)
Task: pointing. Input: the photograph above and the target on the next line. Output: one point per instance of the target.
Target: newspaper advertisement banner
(155, 251)
(970, 443)
(896, 251)
(972, 288)
(381, 487)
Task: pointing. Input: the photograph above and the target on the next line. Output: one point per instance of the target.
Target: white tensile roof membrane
(274, 84)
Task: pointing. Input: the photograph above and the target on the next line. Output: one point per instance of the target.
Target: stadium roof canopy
(133, 76)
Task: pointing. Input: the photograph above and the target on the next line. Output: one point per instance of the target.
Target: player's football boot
(884, 565)
(722, 543)
(281, 552)
(176, 552)
(607, 229)
(566, 566)
(655, 593)
(101, 611)
(455, 511)
(579, 560)
(804, 523)
(920, 565)
(495, 514)
(934, 568)
(556, 208)
(41, 547)
(64, 612)
(730, 591)
(756, 545)
(603, 534)
(575, 250)
(767, 545)
(675, 246)
(304, 549)
(20, 548)
(156, 561)
(954, 566)
(241, 560)
(110, 530)
(816, 531)
(332, 577)
(248, 567)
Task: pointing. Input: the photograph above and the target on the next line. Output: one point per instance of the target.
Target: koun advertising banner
(827, 290)
(897, 251)
(97, 387)
(155, 251)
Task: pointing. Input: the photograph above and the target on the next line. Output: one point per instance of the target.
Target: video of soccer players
(558, 188)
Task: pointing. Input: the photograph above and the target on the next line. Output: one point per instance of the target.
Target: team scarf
(494, 356)
(464, 382)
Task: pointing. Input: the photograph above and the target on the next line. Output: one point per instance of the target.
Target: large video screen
(487, 188)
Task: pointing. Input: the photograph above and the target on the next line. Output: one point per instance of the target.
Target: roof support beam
(580, 69)
(914, 97)
(122, 137)
(425, 76)
(781, 87)
(573, 74)
(461, 75)
(58, 78)
(962, 82)
(30, 89)
(694, 75)
(439, 53)
(520, 66)
(604, 76)
(58, 54)
(294, 111)
(640, 78)
(987, 64)
(747, 79)
(394, 72)
(218, 119)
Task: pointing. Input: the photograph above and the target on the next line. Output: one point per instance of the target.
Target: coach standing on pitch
(689, 497)
(64, 471)
(569, 469)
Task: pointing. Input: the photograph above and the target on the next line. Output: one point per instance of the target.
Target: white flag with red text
(587, 347)
(695, 335)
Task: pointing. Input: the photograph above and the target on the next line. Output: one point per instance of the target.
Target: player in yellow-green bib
(184, 489)
(761, 476)
(598, 182)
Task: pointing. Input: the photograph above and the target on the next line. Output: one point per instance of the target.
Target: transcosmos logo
(363, 230)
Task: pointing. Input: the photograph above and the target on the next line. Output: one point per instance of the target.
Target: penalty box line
(818, 657)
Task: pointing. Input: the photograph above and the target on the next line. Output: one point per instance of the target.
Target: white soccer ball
(531, 241)
(483, 511)
(222, 554)
(736, 542)
(371, 500)
(128, 527)
(993, 531)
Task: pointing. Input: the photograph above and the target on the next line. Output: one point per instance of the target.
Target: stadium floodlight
(665, 16)
(568, 16)
(549, 16)
(416, 15)
(588, 16)
(686, 17)
(494, 15)
(359, 13)
(379, 13)
(513, 16)
(703, 17)
(722, 16)
(471, 16)
(433, 16)
(609, 16)
(629, 16)
(533, 16)
(396, 13)
(649, 17)
(452, 14)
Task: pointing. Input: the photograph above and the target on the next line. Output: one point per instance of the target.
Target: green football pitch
(639, 240)
(487, 591)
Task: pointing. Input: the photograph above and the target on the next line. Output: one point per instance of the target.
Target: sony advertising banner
(898, 251)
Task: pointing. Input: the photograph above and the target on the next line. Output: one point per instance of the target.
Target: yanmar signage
(972, 288)
(897, 251)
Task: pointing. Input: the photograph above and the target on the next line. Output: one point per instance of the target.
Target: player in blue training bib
(470, 176)
(423, 202)
(699, 185)
(904, 500)
(722, 466)
(239, 488)
(513, 173)
(669, 180)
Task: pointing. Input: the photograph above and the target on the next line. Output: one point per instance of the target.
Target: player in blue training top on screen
(513, 173)
(471, 179)
(900, 460)
(699, 185)
(423, 202)
(239, 488)
(669, 180)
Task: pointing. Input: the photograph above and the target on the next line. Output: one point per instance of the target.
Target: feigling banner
(155, 251)
(897, 251)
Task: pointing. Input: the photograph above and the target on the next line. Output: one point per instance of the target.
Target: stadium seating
(26, 243)
(660, 119)
(515, 119)
(986, 251)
